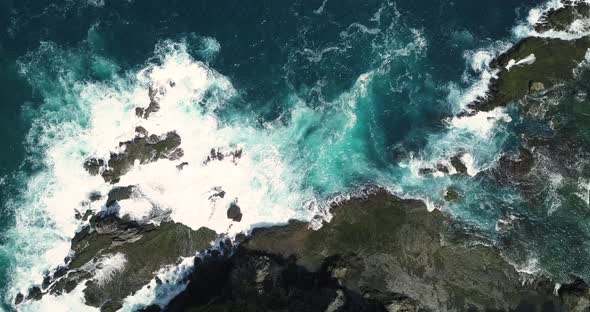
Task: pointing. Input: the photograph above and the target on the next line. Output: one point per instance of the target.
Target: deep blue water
(278, 55)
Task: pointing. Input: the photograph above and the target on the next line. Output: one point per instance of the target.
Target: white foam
(73, 302)
(108, 266)
(173, 282)
(530, 267)
(525, 61)
(482, 123)
(469, 163)
(578, 29)
(583, 191)
(262, 182)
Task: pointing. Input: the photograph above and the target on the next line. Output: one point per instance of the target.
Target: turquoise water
(327, 96)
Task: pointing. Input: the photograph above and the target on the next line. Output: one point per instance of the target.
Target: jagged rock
(426, 171)
(560, 19)
(143, 148)
(554, 60)
(219, 193)
(452, 195)
(182, 165)
(255, 281)
(442, 168)
(94, 196)
(152, 107)
(139, 112)
(397, 248)
(35, 293)
(19, 298)
(458, 164)
(576, 295)
(535, 86)
(145, 247)
(119, 193)
(379, 253)
(141, 131)
(219, 155)
(234, 212)
(517, 167)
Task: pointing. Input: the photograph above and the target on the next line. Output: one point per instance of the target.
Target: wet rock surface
(560, 19)
(234, 212)
(554, 60)
(144, 248)
(143, 148)
(380, 253)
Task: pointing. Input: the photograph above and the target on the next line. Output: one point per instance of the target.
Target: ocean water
(323, 97)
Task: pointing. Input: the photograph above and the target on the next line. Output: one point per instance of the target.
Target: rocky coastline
(378, 253)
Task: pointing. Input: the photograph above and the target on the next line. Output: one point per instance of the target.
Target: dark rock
(141, 131)
(119, 193)
(176, 154)
(396, 246)
(93, 165)
(154, 106)
(576, 295)
(35, 293)
(452, 195)
(151, 308)
(426, 171)
(219, 193)
(19, 298)
(94, 196)
(143, 148)
(517, 167)
(158, 281)
(219, 155)
(182, 165)
(139, 112)
(379, 253)
(458, 164)
(555, 61)
(234, 212)
(46, 281)
(442, 168)
(240, 237)
(108, 235)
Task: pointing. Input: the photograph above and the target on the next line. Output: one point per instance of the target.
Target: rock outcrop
(536, 64)
(380, 253)
(143, 148)
(129, 251)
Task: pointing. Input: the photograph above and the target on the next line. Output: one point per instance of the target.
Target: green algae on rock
(143, 148)
(389, 253)
(143, 249)
(554, 62)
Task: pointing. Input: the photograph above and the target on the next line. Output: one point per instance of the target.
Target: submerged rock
(452, 195)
